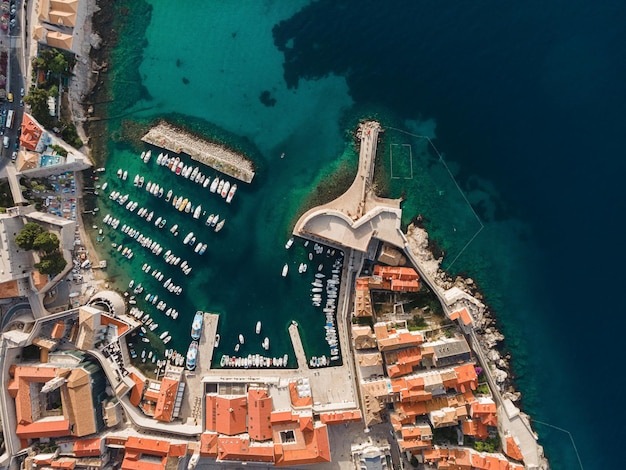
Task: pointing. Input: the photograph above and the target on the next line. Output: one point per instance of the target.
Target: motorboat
(164, 334)
(209, 219)
(289, 243)
(188, 207)
(162, 223)
(266, 343)
(179, 167)
(197, 212)
(206, 182)
(241, 339)
(188, 238)
(215, 219)
(202, 249)
(136, 180)
(141, 180)
(216, 344)
(174, 228)
(220, 186)
(214, 185)
(147, 156)
(225, 190)
(169, 196)
(192, 355)
(198, 247)
(220, 225)
(183, 204)
(196, 325)
(119, 173)
(285, 270)
(231, 193)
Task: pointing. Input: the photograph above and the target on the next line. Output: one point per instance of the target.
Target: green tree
(52, 263)
(37, 99)
(26, 238)
(58, 64)
(46, 242)
(53, 91)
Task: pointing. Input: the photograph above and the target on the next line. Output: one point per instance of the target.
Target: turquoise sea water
(523, 100)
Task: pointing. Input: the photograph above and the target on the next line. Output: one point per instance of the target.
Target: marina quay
(218, 157)
(101, 381)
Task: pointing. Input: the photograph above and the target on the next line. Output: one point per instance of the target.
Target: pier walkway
(216, 156)
(297, 346)
(358, 215)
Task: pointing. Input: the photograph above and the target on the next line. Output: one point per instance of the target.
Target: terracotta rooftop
(314, 448)
(475, 428)
(259, 412)
(208, 444)
(31, 133)
(88, 447)
(164, 410)
(226, 415)
(137, 390)
(38, 429)
(64, 462)
(463, 315)
(241, 450)
(9, 289)
(512, 449)
(353, 416)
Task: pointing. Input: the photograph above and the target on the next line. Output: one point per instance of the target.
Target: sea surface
(503, 130)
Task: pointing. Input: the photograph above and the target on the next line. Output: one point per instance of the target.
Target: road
(15, 82)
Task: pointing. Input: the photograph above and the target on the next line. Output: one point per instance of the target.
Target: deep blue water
(525, 101)
(528, 100)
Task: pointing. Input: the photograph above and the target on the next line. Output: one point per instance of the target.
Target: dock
(210, 330)
(216, 156)
(297, 346)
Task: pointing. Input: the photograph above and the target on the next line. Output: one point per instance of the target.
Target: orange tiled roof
(352, 416)
(87, 447)
(485, 411)
(208, 444)
(259, 411)
(466, 377)
(489, 462)
(31, 133)
(106, 320)
(463, 314)
(9, 289)
(137, 390)
(281, 417)
(230, 415)
(400, 285)
(475, 428)
(512, 449)
(316, 449)
(165, 404)
(138, 447)
(58, 329)
(234, 448)
(396, 272)
(362, 283)
(56, 428)
(64, 462)
(19, 388)
(296, 400)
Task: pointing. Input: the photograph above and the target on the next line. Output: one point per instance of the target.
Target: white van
(6, 141)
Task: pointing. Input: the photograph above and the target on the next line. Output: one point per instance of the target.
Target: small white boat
(214, 185)
(119, 173)
(220, 186)
(266, 343)
(285, 270)
(289, 243)
(220, 225)
(241, 338)
(225, 190)
(206, 182)
(216, 344)
(125, 175)
(258, 327)
(231, 193)
(197, 212)
(136, 180)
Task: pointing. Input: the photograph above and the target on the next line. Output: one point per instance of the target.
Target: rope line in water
(482, 226)
(570, 437)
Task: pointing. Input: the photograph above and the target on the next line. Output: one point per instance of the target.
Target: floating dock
(218, 157)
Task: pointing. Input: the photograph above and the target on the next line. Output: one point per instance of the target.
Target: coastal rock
(513, 396)
(499, 375)
(95, 41)
(493, 355)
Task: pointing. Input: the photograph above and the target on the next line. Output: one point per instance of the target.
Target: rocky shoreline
(489, 337)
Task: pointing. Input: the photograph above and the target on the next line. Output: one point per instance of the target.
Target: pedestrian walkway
(297, 346)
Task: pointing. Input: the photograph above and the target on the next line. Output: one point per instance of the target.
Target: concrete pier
(297, 346)
(216, 156)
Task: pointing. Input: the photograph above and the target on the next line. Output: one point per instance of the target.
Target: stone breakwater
(216, 156)
(484, 323)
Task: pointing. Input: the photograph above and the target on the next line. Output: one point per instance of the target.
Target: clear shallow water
(525, 102)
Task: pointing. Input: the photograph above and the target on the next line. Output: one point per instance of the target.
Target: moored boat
(220, 225)
(197, 212)
(231, 193)
(225, 189)
(196, 325)
(285, 270)
(214, 185)
(192, 355)
(258, 327)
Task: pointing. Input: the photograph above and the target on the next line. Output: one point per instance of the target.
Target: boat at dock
(192, 355)
(241, 339)
(220, 225)
(266, 343)
(258, 327)
(196, 325)
(206, 182)
(220, 186)
(197, 212)
(147, 155)
(285, 270)
(188, 238)
(183, 205)
(214, 185)
(289, 243)
(231, 193)
(216, 344)
(225, 190)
